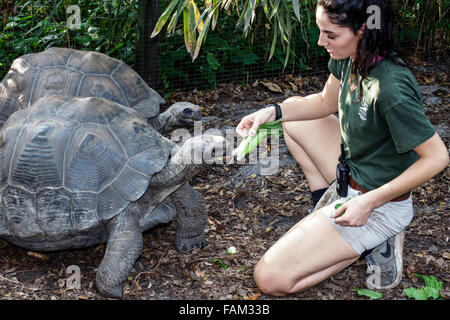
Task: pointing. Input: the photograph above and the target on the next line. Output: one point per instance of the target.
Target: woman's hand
(250, 123)
(354, 212)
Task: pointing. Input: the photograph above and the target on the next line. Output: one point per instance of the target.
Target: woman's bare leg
(310, 252)
(315, 145)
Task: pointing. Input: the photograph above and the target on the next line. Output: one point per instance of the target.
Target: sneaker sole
(398, 249)
(398, 258)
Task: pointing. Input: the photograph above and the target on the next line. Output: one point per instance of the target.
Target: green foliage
(424, 22)
(220, 263)
(369, 293)
(239, 40)
(237, 56)
(107, 26)
(221, 56)
(260, 28)
(430, 290)
(281, 18)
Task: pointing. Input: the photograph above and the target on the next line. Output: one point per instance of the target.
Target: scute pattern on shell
(69, 72)
(68, 163)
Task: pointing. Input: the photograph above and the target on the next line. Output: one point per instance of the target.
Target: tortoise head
(184, 113)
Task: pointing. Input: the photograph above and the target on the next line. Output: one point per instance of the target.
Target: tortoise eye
(187, 112)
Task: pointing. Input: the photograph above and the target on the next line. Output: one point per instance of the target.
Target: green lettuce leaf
(369, 293)
(274, 128)
(430, 290)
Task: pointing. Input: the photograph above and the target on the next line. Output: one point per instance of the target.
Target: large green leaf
(163, 18)
(204, 31)
(369, 293)
(190, 34)
(430, 290)
(175, 16)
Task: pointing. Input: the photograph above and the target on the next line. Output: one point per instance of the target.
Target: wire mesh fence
(229, 56)
(122, 28)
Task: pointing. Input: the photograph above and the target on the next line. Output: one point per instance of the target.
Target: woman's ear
(361, 30)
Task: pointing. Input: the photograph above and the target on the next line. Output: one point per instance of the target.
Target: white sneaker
(385, 264)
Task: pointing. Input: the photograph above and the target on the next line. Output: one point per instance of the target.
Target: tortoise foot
(108, 291)
(183, 244)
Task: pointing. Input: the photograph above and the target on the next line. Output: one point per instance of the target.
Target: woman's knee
(270, 280)
(294, 137)
(325, 127)
(291, 128)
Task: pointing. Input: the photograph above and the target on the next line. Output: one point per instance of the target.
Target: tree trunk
(7, 8)
(146, 47)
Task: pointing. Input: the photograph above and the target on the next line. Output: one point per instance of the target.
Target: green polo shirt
(380, 130)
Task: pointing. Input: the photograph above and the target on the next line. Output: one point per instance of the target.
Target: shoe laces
(370, 263)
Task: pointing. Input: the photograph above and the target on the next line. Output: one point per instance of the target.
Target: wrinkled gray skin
(75, 172)
(179, 114)
(77, 73)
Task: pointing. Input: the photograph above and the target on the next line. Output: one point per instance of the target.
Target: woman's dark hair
(377, 40)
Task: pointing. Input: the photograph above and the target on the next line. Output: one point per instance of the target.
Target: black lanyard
(342, 174)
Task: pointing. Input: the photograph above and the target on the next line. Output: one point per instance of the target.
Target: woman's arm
(311, 107)
(433, 158)
(314, 106)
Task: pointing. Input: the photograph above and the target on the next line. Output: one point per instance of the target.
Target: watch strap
(278, 113)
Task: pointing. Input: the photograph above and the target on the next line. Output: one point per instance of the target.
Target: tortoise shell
(70, 72)
(68, 163)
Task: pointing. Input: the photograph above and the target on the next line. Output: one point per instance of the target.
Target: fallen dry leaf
(38, 255)
(294, 87)
(410, 271)
(254, 297)
(272, 86)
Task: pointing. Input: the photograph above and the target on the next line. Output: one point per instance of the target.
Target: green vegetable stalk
(249, 143)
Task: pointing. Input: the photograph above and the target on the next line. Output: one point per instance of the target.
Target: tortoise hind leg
(123, 248)
(191, 218)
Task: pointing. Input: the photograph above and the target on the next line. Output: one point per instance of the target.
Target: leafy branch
(282, 17)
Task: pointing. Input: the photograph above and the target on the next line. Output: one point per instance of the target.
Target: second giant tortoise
(75, 172)
(78, 73)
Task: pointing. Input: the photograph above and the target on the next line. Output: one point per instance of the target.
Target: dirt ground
(249, 211)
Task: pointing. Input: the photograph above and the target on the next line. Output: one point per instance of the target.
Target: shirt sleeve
(334, 67)
(408, 124)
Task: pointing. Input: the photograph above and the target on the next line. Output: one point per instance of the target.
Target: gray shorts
(383, 223)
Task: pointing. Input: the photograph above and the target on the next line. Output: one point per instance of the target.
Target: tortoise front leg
(123, 248)
(191, 218)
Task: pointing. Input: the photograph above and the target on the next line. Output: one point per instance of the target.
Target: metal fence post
(146, 47)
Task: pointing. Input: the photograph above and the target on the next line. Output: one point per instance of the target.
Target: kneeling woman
(389, 146)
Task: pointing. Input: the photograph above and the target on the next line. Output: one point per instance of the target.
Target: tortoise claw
(183, 244)
(108, 291)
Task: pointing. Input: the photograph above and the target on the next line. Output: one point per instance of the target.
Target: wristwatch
(278, 114)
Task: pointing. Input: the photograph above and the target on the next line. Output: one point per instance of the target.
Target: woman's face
(340, 42)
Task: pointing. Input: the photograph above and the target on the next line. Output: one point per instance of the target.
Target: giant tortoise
(78, 73)
(75, 172)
